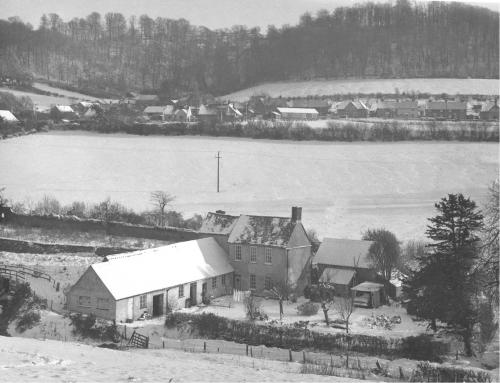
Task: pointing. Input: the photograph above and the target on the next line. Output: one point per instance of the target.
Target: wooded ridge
(171, 57)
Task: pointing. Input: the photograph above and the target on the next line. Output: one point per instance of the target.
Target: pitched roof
(337, 276)
(65, 109)
(450, 105)
(368, 287)
(344, 252)
(262, 230)
(487, 106)
(218, 223)
(7, 116)
(407, 105)
(147, 97)
(298, 110)
(139, 272)
(357, 104)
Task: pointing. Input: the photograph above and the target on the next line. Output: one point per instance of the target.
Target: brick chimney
(296, 214)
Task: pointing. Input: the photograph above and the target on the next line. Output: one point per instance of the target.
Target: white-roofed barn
(153, 280)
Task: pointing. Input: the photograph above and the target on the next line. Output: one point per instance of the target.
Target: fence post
(251, 352)
(290, 355)
(247, 349)
(51, 305)
(163, 343)
(204, 346)
(304, 357)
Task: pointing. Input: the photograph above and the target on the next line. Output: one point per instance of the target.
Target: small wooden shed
(368, 294)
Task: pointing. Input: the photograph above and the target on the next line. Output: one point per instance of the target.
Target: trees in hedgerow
(161, 199)
(281, 291)
(384, 253)
(444, 287)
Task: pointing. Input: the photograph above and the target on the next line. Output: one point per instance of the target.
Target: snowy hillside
(28, 360)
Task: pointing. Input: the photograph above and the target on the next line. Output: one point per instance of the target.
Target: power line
(218, 171)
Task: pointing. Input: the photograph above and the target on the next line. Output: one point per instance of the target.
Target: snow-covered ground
(344, 188)
(40, 99)
(368, 86)
(29, 360)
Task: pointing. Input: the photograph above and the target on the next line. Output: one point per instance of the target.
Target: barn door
(130, 309)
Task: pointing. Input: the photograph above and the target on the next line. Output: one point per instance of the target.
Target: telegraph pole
(218, 163)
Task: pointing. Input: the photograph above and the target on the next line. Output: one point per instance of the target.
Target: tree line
(115, 54)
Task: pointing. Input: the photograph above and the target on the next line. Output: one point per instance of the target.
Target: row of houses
(244, 253)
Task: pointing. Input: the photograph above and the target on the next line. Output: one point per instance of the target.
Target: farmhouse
(263, 250)
(489, 111)
(352, 109)
(153, 281)
(207, 114)
(159, 113)
(447, 110)
(65, 111)
(343, 263)
(298, 113)
(320, 105)
(407, 109)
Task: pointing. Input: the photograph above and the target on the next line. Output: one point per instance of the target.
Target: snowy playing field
(344, 188)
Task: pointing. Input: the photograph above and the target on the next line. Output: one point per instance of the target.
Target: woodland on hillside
(171, 57)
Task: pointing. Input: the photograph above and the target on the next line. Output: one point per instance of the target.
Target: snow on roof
(139, 272)
(337, 276)
(218, 223)
(147, 97)
(262, 230)
(368, 287)
(298, 110)
(65, 109)
(344, 252)
(6, 115)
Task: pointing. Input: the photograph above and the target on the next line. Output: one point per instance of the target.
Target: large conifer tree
(444, 288)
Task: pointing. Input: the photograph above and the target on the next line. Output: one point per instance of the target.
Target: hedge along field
(422, 347)
(331, 130)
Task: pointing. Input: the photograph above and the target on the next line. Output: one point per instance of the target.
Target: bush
(252, 308)
(427, 372)
(308, 308)
(424, 347)
(28, 320)
(88, 327)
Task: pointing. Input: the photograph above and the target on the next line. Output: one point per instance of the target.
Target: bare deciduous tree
(161, 199)
(344, 306)
(281, 291)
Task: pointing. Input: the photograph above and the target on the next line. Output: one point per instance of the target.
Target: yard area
(359, 322)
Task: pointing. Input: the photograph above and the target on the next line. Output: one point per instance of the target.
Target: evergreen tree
(444, 287)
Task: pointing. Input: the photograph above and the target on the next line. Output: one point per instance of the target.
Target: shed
(153, 280)
(368, 294)
(298, 113)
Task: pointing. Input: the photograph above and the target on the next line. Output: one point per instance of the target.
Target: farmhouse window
(103, 303)
(269, 257)
(268, 283)
(253, 282)
(181, 291)
(84, 301)
(237, 254)
(143, 301)
(214, 282)
(223, 280)
(253, 254)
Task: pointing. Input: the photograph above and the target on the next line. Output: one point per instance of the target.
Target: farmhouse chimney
(296, 214)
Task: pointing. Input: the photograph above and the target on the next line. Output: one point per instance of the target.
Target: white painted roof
(6, 115)
(130, 274)
(65, 108)
(298, 110)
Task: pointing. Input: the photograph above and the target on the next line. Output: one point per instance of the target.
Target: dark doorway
(192, 294)
(157, 305)
(204, 292)
(237, 282)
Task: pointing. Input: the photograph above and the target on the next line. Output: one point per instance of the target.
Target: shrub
(28, 320)
(423, 347)
(308, 308)
(252, 307)
(88, 327)
(437, 373)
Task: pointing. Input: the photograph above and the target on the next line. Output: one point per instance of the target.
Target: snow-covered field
(450, 86)
(30, 360)
(40, 99)
(344, 188)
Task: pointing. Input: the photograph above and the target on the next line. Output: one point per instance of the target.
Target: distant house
(489, 111)
(143, 100)
(159, 113)
(151, 280)
(264, 251)
(65, 112)
(207, 114)
(344, 263)
(384, 109)
(183, 115)
(297, 113)
(407, 109)
(320, 105)
(352, 109)
(448, 110)
(7, 117)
